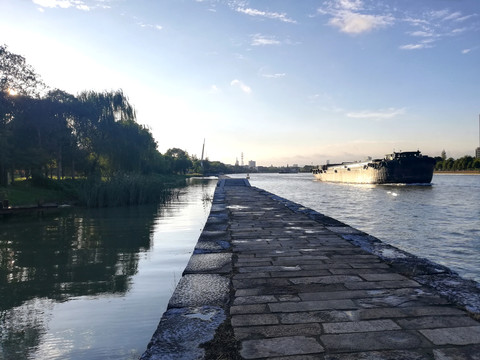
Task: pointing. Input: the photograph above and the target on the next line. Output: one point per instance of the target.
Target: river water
(93, 284)
(440, 221)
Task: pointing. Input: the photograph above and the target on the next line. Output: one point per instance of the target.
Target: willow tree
(100, 120)
(17, 78)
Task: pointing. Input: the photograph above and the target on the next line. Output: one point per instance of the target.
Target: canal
(93, 283)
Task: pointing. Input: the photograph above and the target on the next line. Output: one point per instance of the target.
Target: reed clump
(128, 190)
(119, 190)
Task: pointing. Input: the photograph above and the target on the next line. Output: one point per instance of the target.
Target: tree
(180, 160)
(98, 128)
(16, 78)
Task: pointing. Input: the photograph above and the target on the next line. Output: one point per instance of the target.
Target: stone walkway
(302, 291)
(270, 279)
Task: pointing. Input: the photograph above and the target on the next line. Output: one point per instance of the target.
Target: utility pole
(203, 149)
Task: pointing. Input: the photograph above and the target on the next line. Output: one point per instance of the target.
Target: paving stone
(343, 230)
(333, 295)
(385, 340)
(360, 326)
(281, 346)
(263, 299)
(463, 353)
(312, 329)
(381, 284)
(326, 279)
(251, 275)
(429, 322)
(383, 277)
(181, 332)
(453, 335)
(248, 309)
(381, 355)
(298, 357)
(368, 314)
(256, 319)
(312, 305)
(218, 263)
(318, 316)
(200, 289)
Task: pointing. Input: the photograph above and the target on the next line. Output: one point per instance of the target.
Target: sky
(279, 81)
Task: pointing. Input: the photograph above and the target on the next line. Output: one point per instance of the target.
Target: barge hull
(411, 169)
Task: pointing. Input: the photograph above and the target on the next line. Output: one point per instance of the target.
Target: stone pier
(270, 279)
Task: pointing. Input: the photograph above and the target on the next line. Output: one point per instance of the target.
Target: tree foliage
(56, 134)
(464, 163)
(93, 134)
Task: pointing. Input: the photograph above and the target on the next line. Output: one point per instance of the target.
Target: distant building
(477, 153)
(252, 164)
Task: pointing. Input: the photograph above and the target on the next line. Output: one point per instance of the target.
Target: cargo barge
(409, 167)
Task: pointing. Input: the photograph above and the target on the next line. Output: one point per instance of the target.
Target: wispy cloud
(265, 14)
(266, 73)
(274, 76)
(352, 17)
(261, 40)
(381, 114)
(435, 25)
(63, 4)
(151, 26)
(245, 88)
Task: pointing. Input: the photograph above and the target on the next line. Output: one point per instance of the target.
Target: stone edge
(174, 341)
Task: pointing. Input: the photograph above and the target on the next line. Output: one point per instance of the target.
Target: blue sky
(283, 81)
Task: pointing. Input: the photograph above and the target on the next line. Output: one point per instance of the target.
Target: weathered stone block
(282, 346)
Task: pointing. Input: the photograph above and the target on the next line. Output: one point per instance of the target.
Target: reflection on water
(440, 221)
(93, 283)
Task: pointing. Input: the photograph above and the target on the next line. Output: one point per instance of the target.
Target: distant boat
(410, 167)
(248, 176)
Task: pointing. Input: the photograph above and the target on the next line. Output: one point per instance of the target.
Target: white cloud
(351, 17)
(355, 23)
(245, 88)
(269, 15)
(466, 51)
(350, 4)
(376, 115)
(260, 40)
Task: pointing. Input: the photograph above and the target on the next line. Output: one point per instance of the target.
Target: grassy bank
(122, 190)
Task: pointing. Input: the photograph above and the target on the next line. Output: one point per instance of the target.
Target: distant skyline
(282, 81)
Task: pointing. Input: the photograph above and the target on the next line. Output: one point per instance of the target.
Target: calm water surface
(93, 284)
(440, 222)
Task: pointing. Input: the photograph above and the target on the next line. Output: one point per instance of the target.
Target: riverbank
(285, 280)
(458, 172)
(122, 190)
